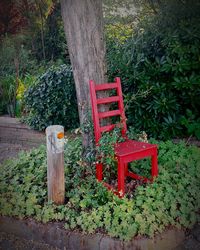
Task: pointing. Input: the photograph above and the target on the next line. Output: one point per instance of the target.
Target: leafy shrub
(173, 199)
(159, 66)
(52, 99)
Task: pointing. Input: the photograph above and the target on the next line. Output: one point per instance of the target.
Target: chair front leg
(99, 171)
(121, 177)
(154, 165)
(125, 169)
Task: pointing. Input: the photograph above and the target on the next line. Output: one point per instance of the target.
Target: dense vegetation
(159, 64)
(172, 200)
(156, 53)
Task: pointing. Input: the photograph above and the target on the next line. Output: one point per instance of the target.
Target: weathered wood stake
(55, 164)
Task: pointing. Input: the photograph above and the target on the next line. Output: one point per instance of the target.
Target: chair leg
(99, 171)
(121, 178)
(125, 169)
(154, 165)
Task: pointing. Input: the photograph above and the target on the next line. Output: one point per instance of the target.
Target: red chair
(126, 151)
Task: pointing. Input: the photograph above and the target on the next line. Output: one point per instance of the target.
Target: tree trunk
(83, 24)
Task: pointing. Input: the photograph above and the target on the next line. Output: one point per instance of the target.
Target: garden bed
(172, 201)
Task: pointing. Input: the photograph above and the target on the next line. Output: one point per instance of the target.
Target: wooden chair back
(97, 115)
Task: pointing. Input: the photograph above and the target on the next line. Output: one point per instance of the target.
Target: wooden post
(55, 164)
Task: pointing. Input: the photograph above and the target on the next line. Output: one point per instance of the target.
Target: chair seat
(130, 147)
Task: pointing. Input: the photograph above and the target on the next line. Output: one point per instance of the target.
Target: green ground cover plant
(173, 200)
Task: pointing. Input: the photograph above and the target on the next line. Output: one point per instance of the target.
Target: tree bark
(83, 24)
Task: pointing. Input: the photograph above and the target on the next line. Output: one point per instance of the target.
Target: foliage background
(159, 64)
(154, 46)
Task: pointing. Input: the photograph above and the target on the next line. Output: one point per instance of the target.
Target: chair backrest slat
(109, 113)
(105, 86)
(108, 128)
(96, 115)
(108, 100)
